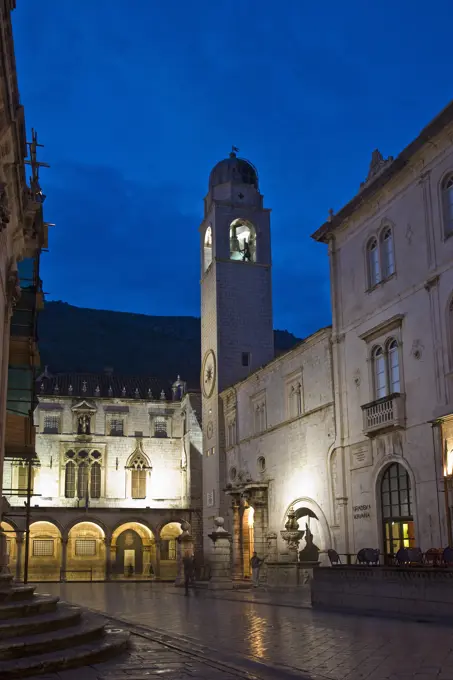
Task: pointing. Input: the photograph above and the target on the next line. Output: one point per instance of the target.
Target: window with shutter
(138, 483)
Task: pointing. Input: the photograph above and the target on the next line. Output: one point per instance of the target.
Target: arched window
(139, 467)
(242, 241)
(70, 479)
(380, 373)
(387, 253)
(393, 367)
(447, 204)
(207, 248)
(82, 480)
(396, 506)
(374, 269)
(95, 480)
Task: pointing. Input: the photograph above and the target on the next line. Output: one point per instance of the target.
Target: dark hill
(73, 339)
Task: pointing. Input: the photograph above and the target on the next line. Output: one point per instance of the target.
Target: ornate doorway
(129, 554)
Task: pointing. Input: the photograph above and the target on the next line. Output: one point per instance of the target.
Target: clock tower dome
(236, 307)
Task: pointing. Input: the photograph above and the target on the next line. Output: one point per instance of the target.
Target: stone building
(391, 263)
(118, 469)
(23, 234)
(268, 423)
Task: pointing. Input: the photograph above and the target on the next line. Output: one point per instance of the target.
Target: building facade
(268, 423)
(391, 260)
(118, 469)
(23, 234)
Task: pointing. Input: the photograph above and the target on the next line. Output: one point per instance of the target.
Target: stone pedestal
(289, 574)
(220, 557)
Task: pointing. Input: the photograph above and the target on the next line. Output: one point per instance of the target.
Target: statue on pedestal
(311, 551)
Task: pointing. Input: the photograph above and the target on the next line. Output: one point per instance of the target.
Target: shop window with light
(51, 424)
(242, 241)
(397, 509)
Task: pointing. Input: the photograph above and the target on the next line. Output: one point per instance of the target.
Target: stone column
(108, 558)
(157, 559)
(64, 558)
(220, 557)
(259, 503)
(237, 572)
(19, 546)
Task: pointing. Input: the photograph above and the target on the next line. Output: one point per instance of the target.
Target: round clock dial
(210, 429)
(208, 373)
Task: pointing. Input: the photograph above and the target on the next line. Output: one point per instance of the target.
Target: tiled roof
(103, 385)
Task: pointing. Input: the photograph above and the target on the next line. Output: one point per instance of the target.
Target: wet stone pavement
(258, 634)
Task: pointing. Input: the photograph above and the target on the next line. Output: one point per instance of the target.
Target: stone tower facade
(236, 307)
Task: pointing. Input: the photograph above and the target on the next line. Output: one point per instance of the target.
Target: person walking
(255, 564)
(188, 563)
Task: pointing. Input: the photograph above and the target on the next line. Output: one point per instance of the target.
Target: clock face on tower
(208, 373)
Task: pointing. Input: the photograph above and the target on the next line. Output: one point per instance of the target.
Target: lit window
(82, 480)
(70, 477)
(43, 548)
(85, 547)
(386, 369)
(374, 269)
(388, 256)
(242, 241)
(447, 200)
(138, 484)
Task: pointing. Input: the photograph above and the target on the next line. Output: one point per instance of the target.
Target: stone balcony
(384, 414)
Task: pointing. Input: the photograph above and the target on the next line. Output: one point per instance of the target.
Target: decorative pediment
(138, 459)
(84, 406)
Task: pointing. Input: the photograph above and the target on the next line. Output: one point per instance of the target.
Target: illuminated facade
(118, 468)
(391, 258)
(268, 423)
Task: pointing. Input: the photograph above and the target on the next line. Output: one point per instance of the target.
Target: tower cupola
(235, 170)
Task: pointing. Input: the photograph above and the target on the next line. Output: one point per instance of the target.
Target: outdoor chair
(433, 557)
(334, 557)
(447, 557)
(368, 556)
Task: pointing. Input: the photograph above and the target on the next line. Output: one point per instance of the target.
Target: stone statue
(84, 425)
(311, 551)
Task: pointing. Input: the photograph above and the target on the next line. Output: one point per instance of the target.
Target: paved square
(316, 643)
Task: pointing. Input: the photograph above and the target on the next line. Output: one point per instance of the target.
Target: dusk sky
(136, 102)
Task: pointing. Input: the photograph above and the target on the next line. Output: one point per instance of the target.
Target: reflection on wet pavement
(331, 645)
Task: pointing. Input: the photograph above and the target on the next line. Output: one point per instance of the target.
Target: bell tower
(236, 306)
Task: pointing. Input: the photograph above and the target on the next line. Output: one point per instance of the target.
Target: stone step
(17, 593)
(81, 655)
(89, 629)
(38, 604)
(62, 617)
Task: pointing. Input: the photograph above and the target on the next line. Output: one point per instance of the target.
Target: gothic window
(116, 427)
(447, 204)
(207, 249)
(387, 253)
(160, 427)
(139, 467)
(51, 424)
(22, 480)
(83, 474)
(242, 241)
(82, 480)
(374, 269)
(95, 481)
(70, 477)
(386, 369)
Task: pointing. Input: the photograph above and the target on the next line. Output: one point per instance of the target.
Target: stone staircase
(40, 635)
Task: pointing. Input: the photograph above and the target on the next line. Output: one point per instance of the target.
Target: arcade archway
(44, 552)
(133, 551)
(85, 553)
(168, 550)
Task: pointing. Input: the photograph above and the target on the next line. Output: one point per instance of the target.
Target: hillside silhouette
(75, 339)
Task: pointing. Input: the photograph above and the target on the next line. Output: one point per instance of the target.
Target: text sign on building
(210, 499)
(361, 511)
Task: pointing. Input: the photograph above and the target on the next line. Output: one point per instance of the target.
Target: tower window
(242, 241)
(207, 249)
(246, 358)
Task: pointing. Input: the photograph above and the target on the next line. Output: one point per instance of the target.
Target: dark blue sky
(135, 102)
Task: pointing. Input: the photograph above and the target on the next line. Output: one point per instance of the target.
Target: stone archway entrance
(129, 554)
(248, 540)
(250, 526)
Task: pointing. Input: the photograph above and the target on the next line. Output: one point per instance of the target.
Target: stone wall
(423, 593)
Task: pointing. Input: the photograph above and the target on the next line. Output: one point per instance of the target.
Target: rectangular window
(246, 358)
(51, 424)
(85, 547)
(43, 548)
(116, 427)
(160, 427)
(138, 484)
(22, 480)
(295, 399)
